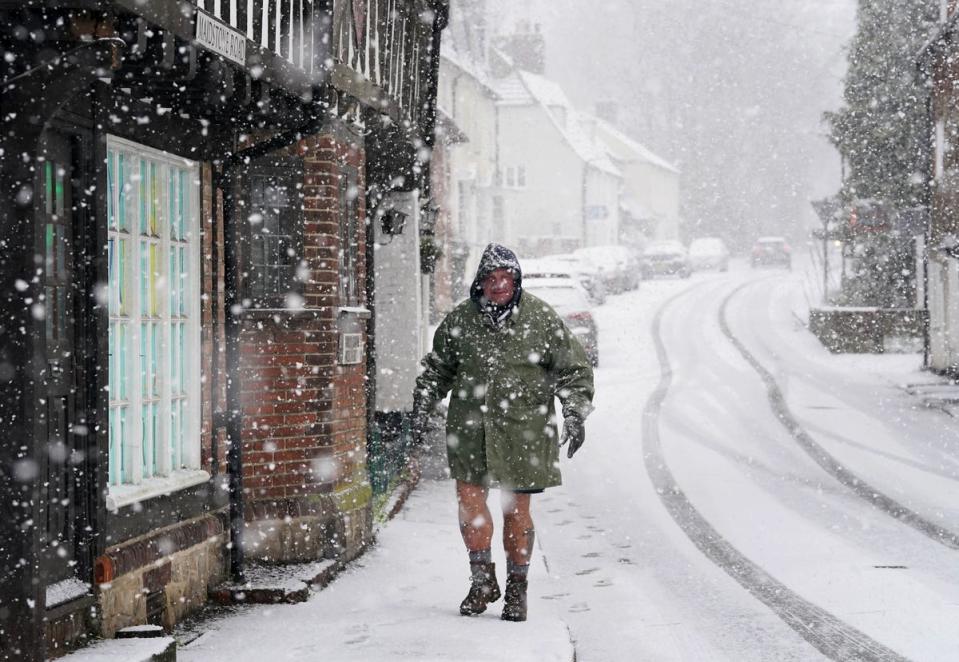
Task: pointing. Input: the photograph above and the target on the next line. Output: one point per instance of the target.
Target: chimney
(526, 47)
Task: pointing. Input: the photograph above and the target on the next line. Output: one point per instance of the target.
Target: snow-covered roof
(471, 69)
(522, 88)
(630, 149)
(510, 91)
(547, 92)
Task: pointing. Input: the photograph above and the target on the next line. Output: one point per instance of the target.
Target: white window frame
(130, 485)
(516, 177)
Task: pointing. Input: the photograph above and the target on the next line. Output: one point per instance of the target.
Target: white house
(560, 189)
(650, 184)
(466, 95)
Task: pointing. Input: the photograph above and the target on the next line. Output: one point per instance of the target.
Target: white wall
(657, 189)
(399, 307)
(603, 190)
(943, 313)
(472, 164)
(551, 203)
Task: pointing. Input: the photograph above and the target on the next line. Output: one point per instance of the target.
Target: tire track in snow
(829, 635)
(821, 456)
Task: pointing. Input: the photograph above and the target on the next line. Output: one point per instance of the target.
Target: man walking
(503, 355)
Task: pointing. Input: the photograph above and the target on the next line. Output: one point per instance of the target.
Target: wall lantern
(392, 222)
(429, 215)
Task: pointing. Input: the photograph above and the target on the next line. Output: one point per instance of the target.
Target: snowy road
(775, 503)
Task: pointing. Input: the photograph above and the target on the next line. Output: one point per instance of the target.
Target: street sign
(220, 38)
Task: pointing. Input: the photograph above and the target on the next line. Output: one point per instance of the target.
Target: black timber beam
(27, 105)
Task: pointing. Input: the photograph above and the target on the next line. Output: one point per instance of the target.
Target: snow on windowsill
(124, 495)
(359, 311)
(65, 591)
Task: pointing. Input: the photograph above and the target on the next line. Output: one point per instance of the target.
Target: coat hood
(496, 257)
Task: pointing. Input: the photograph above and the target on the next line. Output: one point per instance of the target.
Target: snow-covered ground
(725, 523)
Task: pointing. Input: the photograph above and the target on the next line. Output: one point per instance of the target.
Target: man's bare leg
(476, 523)
(518, 538)
(476, 527)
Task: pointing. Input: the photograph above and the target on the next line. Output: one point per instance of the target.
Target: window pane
(121, 449)
(122, 392)
(111, 192)
(124, 193)
(123, 256)
(114, 454)
(146, 449)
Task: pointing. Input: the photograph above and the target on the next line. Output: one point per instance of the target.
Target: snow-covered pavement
(717, 511)
(400, 601)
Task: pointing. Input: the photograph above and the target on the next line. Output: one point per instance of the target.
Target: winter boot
(514, 605)
(484, 589)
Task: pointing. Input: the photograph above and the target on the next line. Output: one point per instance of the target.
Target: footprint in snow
(587, 571)
(602, 583)
(590, 555)
(579, 607)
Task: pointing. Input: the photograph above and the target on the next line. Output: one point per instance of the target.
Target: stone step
(277, 584)
(130, 648)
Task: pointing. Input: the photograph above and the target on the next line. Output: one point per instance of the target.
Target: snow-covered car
(665, 258)
(771, 251)
(570, 300)
(587, 273)
(708, 253)
(617, 264)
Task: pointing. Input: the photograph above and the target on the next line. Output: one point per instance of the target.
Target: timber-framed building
(186, 289)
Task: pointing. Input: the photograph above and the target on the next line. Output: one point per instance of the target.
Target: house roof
(474, 71)
(630, 150)
(522, 88)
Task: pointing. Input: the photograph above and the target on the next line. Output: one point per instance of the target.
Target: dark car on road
(665, 258)
(771, 251)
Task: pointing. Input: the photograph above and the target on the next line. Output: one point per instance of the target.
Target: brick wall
(304, 414)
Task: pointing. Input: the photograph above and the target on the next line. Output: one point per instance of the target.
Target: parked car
(771, 251)
(587, 273)
(665, 258)
(616, 264)
(570, 300)
(708, 253)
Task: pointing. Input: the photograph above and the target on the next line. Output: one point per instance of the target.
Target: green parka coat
(501, 426)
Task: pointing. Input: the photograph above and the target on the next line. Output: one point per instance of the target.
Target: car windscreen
(664, 249)
(564, 300)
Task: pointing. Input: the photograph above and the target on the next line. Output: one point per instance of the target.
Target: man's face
(498, 287)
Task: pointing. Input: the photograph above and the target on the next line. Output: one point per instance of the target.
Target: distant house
(650, 200)
(560, 188)
(466, 95)
(940, 61)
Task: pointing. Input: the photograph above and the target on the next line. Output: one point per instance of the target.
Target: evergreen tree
(883, 130)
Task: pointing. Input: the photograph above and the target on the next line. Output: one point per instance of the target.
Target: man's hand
(574, 432)
(420, 425)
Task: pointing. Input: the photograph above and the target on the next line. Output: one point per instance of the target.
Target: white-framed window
(153, 249)
(516, 176)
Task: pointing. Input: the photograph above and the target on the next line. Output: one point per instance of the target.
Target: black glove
(574, 432)
(420, 424)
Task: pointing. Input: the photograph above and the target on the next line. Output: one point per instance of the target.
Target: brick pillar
(305, 477)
